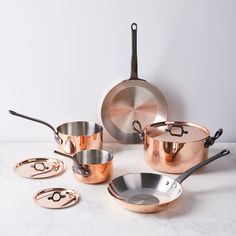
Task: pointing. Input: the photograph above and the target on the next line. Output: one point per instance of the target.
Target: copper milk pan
(132, 99)
(92, 166)
(175, 146)
(74, 136)
(148, 192)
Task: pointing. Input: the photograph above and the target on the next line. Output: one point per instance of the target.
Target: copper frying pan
(148, 192)
(132, 99)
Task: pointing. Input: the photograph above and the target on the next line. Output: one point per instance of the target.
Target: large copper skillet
(132, 99)
(73, 137)
(175, 146)
(148, 192)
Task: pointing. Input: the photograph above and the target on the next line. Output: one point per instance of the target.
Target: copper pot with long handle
(73, 137)
(175, 146)
(92, 166)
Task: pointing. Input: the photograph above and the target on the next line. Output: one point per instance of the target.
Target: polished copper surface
(149, 192)
(56, 198)
(74, 144)
(172, 154)
(39, 168)
(99, 173)
(91, 166)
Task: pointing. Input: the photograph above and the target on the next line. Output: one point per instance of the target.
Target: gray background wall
(59, 58)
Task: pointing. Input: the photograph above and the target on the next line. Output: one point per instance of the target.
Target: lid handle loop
(174, 133)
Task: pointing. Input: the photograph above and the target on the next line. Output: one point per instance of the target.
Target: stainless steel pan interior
(132, 99)
(147, 192)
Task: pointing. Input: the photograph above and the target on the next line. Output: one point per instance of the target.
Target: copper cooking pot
(73, 137)
(91, 166)
(175, 146)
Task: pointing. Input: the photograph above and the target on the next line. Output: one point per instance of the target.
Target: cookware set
(169, 146)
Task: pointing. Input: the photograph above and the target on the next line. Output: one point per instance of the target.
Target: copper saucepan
(73, 136)
(91, 166)
(175, 146)
(148, 192)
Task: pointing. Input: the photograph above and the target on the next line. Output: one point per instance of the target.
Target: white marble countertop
(207, 207)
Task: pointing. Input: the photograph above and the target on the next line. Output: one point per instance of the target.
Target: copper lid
(178, 132)
(39, 168)
(56, 198)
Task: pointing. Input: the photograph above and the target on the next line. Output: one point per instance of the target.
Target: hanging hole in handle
(225, 152)
(134, 26)
(218, 133)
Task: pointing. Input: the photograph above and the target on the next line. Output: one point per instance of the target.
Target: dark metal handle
(134, 60)
(57, 138)
(169, 129)
(37, 166)
(82, 170)
(79, 169)
(54, 196)
(66, 155)
(138, 128)
(211, 140)
(189, 172)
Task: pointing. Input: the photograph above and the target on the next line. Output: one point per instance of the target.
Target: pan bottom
(143, 199)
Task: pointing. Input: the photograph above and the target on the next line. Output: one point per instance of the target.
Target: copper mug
(92, 166)
(73, 137)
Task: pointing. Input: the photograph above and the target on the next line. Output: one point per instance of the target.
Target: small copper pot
(92, 166)
(73, 137)
(175, 146)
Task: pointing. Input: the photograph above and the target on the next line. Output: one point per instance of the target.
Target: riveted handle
(190, 171)
(180, 129)
(82, 170)
(138, 128)
(211, 140)
(79, 168)
(56, 136)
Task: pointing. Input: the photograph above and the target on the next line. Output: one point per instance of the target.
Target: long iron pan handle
(57, 138)
(82, 170)
(134, 60)
(190, 171)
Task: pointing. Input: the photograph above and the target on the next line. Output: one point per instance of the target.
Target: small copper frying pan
(147, 192)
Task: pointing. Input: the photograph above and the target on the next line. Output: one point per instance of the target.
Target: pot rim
(97, 128)
(171, 122)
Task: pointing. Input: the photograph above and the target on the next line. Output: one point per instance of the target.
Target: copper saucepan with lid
(175, 146)
(73, 137)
